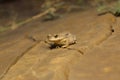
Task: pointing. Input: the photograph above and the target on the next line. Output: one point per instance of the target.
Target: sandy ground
(21, 58)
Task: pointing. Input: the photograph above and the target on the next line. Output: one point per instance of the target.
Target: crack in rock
(18, 58)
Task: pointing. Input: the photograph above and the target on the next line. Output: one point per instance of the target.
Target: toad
(61, 40)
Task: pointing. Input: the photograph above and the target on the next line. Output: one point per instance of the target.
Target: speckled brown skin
(63, 39)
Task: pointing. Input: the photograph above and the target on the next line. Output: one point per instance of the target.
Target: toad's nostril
(49, 35)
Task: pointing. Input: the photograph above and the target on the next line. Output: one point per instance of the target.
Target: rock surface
(95, 39)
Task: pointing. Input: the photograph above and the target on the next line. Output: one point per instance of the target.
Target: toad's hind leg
(66, 44)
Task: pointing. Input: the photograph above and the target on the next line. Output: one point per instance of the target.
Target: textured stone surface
(10, 52)
(42, 63)
(102, 62)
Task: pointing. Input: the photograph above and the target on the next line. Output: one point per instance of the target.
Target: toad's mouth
(55, 40)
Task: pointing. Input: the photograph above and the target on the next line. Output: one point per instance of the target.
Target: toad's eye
(56, 36)
(67, 34)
